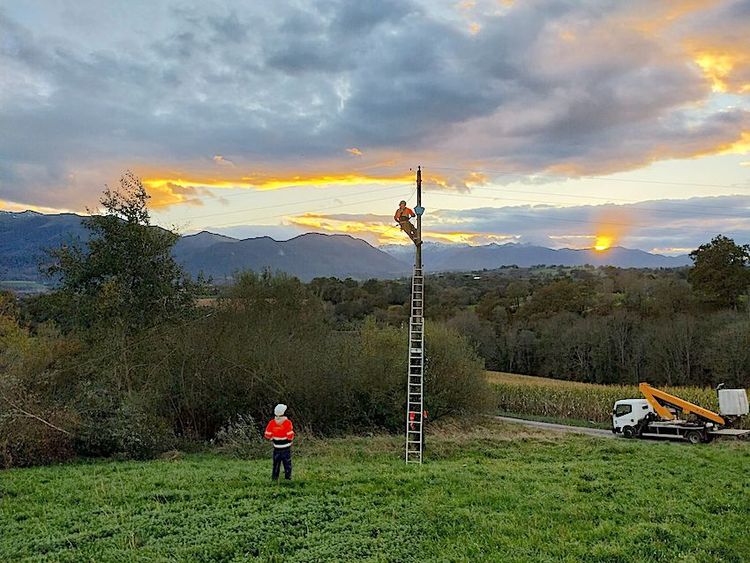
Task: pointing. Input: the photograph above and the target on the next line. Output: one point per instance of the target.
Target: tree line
(600, 325)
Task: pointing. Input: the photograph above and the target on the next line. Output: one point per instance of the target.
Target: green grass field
(497, 493)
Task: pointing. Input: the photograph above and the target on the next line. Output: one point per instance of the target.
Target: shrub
(241, 437)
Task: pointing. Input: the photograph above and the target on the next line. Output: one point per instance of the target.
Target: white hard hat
(279, 410)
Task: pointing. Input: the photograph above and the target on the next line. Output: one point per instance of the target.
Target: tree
(125, 276)
(721, 271)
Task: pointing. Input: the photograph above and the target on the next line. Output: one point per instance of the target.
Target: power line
(605, 199)
(640, 208)
(546, 218)
(604, 178)
(244, 222)
(401, 186)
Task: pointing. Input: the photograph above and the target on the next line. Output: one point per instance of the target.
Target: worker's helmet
(402, 202)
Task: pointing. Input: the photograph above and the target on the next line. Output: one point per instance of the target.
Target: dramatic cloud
(205, 94)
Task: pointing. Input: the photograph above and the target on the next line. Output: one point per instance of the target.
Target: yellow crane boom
(658, 399)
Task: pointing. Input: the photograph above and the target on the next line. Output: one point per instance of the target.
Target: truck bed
(732, 432)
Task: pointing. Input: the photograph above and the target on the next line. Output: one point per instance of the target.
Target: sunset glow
(277, 182)
(385, 232)
(603, 242)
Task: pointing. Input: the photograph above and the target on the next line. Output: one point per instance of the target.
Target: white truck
(663, 415)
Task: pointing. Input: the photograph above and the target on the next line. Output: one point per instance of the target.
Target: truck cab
(628, 414)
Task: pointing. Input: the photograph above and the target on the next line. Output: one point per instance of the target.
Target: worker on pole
(281, 432)
(402, 217)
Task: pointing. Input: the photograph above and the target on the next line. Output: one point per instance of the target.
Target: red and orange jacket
(280, 431)
(403, 215)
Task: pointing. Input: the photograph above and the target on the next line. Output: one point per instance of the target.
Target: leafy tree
(721, 271)
(126, 276)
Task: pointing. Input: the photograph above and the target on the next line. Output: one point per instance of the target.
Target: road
(559, 427)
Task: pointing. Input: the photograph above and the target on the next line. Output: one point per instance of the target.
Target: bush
(454, 374)
(26, 441)
(241, 437)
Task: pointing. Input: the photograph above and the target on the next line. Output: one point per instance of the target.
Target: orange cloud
(384, 232)
(721, 67)
(167, 194)
(661, 15)
(273, 182)
(740, 146)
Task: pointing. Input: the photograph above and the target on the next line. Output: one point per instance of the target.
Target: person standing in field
(402, 216)
(281, 432)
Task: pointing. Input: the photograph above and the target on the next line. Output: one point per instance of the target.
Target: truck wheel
(694, 437)
(628, 432)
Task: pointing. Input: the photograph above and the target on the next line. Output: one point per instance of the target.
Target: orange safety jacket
(281, 434)
(403, 215)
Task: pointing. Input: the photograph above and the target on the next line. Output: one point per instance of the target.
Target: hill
(306, 256)
(24, 236)
(448, 257)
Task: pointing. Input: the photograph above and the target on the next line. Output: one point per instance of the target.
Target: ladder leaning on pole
(415, 396)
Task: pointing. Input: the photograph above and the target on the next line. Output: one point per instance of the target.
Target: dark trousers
(409, 229)
(282, 455)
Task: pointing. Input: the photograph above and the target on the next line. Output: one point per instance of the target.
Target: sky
(567, 123)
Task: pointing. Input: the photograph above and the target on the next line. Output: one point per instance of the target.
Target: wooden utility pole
(418, 262)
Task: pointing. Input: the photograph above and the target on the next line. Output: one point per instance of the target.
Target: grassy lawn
(496, 493)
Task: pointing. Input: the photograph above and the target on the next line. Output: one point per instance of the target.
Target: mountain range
(24, 237)
(439, 257)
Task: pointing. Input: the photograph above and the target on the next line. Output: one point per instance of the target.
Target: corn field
(540, 396)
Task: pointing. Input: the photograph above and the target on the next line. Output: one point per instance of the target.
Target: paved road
(559, 427)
